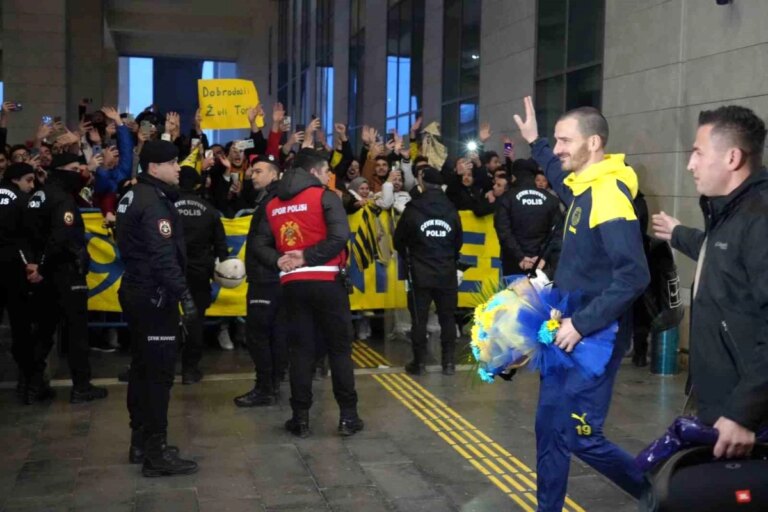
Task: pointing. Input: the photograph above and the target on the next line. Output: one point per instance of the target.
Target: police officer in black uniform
(15, 187)
(528, 223)
(57, 238)
(304, 233)
(151, 242)
(206, 241)
(266, 322)
(429, 236)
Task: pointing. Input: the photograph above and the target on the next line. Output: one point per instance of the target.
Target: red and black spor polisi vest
(298, 223)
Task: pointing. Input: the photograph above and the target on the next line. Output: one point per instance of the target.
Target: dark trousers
(192, 350)
(322, 306)
(15, 298)
(569, 419)
(446, 301)
(62, 298)
(266, 333)
(154, 344)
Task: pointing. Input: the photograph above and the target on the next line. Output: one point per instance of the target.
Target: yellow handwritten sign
(224, 103)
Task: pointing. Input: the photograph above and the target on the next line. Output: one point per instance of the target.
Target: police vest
(299, 223)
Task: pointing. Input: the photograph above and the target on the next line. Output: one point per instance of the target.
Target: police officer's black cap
(17, 170)
(431, 175)
(157, 152)
(63, 159)
(189, 178)
(269, 159)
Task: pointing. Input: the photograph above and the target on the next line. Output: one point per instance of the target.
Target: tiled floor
(59, 457)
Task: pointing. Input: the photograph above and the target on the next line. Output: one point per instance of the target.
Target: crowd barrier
(377, 277)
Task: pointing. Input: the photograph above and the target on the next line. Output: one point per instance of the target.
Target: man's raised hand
(529, 128)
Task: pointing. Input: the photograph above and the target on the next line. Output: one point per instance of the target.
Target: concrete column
(253, 59)
(85, 55)
(432, 87)
(507, 66)
(34, 62)
(375, 79)
(341, 61)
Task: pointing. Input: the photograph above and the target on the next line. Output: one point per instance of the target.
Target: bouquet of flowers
(518, 325)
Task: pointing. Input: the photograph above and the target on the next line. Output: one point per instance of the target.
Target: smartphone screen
(96, 149)
(209, 154)
(47, 119)
(508, 146)
(300, 127)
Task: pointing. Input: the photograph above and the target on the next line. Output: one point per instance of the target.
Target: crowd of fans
(378, 176)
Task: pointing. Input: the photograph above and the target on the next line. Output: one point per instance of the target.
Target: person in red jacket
(303, 233)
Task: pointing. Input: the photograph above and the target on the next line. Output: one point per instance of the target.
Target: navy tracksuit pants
(569, 420)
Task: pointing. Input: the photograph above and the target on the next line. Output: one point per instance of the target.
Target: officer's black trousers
(14, 296)
(323, 306)
(153, 349)
(266, 333)
(446, 301)
(192, 351)
(62, 297)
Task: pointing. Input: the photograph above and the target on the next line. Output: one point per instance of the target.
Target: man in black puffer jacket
(265, 322)
(205, 242)
(524, 221)
(59, 247)
(429, 236)
(729, 306)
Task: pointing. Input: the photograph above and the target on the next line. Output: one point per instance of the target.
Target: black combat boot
(350, 423)
(261, 395)
(21, 387)
(136, 451)
(160, 461)
(191, 375)
(87, 393)
(298, 425)
(416, 368)
(38, 390)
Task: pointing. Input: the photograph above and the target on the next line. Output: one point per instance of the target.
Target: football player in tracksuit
(602, 258)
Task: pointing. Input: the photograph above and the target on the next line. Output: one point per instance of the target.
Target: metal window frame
(566, 70)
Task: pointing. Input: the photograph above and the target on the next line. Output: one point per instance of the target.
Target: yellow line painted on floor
(362, 359)
(503, 469)
(371, 354)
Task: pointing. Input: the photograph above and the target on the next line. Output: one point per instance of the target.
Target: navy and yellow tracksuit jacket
(602, 255)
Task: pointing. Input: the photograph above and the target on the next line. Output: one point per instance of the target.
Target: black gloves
(188, 307)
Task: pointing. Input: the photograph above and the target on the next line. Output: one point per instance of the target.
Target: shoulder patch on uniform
(69, 218)
(164, 227)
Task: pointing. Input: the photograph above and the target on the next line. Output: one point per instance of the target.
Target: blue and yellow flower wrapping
(517, 326)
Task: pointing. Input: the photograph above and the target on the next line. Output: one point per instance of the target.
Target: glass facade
(461, 72)
(569, 58)
(324, 65)
(405, 57)
(356, 68)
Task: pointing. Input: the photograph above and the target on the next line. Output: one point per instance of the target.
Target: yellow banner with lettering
(224, 103)
(377, 276)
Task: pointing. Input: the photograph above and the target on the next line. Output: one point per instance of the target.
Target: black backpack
(662, 301)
